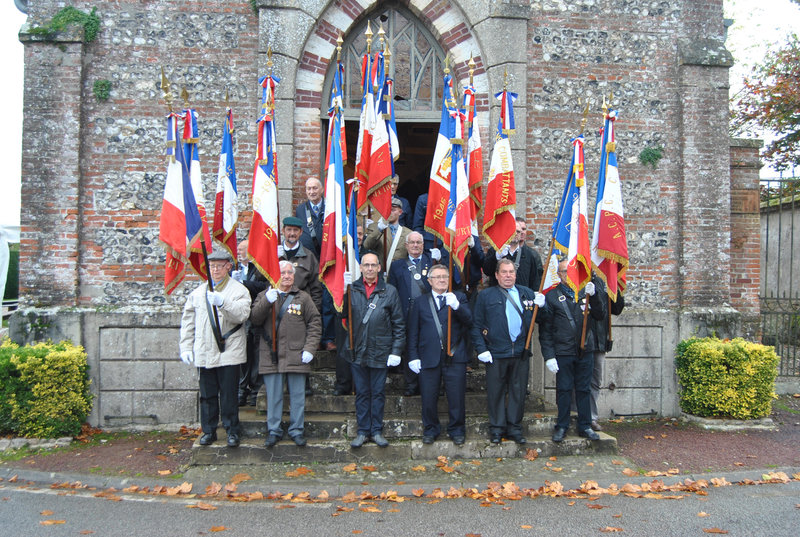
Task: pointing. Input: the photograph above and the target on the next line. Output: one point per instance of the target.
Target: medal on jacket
(417, 276)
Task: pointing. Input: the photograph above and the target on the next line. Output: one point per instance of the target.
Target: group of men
(405, 310)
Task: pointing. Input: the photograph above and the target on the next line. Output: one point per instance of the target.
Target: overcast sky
(757, 23)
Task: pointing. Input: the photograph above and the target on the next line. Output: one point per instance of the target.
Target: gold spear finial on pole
(185, 97)
(585, 115)
(339, 42)
(166, 90)
(505, 79)
(369, 35)
(447, 64)
(382, 37)
(471, 68)
(269, 60)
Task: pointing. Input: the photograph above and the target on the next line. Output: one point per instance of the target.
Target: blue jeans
(369, 384)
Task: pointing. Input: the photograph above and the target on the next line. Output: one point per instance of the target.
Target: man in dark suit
(427, 352)
(410, 277)
(527, 261)
(501, 320)
(312, 214)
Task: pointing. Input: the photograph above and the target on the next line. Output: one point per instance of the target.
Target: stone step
(252, 450)
(324, 381)
(399, 405)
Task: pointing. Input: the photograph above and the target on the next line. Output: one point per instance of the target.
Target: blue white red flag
(337, 99)
(332, 256)
(190, 138)
(353, 255)
(579, 267)
(226, 214)
(474, 157)
(609, 243)
(561, 224)
(459, 212)
(441, 169)
(180, 224)
(262, 247)
(379, 188)
(366, 125)
(499, 223)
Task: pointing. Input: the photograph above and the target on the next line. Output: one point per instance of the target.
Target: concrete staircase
(330, 424)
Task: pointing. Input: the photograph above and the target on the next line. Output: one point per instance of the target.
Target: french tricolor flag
(226, 214)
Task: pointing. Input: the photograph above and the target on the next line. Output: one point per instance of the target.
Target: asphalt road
(766, 509)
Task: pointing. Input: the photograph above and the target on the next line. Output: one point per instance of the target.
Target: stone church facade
(91, 267)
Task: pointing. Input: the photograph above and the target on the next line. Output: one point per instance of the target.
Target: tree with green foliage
(770, 100)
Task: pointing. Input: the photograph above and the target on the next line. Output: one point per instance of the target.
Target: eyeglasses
(561, 271)
(370, 265)
(439, 277)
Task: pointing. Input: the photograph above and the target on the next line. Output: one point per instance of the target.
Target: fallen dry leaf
(349, 467)
(285, 506)
(417, 492)
(714, 530)
(590, 464)
(649, 437)
(531, 454)
(46, 512)
(702, 513)
(553, 458)
(611, 529)
(301, 470)
(51, 522)
(525, 527)
(419, 468)
(618, 463)
(238, 478)
(86, 532)
(630, 473)
(202, 506)
(218, 528)
(164, 472)
(213, 488)
(357, 531)
(369, 468)
(618, 515)
(370, 509)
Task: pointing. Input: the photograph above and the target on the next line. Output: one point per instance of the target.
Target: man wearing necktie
(501, 319)
(427, 353)
(410, 277)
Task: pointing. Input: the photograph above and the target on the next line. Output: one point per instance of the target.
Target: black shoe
(299, 440)
(519, 439)
(589, 433)
(208, 439)
(495, 438)
(272, 440)
(411, 392)
(596, 426)
(358, 441)
(559, 434)
(458, 440)
(233, 440)
(428, 439)
(379, 440)
(340, 391)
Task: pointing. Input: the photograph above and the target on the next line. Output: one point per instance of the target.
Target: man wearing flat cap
(217, 350)
(394, 233)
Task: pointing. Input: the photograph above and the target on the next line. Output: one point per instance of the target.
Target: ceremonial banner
(579, 269)
(226, 215)
(441, 168)
(332, 257)
(366, 125)
(551, 279)
(337, 99)
(499, 223)
(609, 243)
(561, 224)
(353, 255)
(381, 165)
(474, 159)
(190, 138)
(262, 248)
(459, 212)
(180, 224)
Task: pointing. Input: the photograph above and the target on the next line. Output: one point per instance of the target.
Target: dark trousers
(344, 372)
(455, 384)
(249, 379)
(369, 383)
(328, 317)
(506, 375)
(218, 398)
(574, 373)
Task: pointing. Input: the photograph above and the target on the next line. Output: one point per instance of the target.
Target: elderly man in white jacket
(219, 370)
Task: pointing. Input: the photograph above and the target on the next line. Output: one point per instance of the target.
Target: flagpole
(536, 307)
(468, 125)
(609, 337)
(278, 214)
(586, 308)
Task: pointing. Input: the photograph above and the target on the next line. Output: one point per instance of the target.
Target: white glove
(272, 295)
(215, 298)
(583, 305)
(187, 357)
(502, 253)
(590, 289)
(348, 278)
(451, 300)
(307, 357)
(538, 299)
(471, 241)
(552, 365)
(415, 366)
(238, 275)
(382, 224)
(281, 251)
(436, 254)
(393, 360)
(485, 357)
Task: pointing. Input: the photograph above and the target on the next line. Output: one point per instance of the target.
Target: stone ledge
(720, 424)
(7, 444)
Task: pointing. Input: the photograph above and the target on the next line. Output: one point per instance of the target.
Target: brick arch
(443, 18)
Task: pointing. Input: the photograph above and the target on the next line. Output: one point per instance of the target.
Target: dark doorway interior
(417, 142)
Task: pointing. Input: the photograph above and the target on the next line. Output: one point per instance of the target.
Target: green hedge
(44, 389)
(728, 379)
